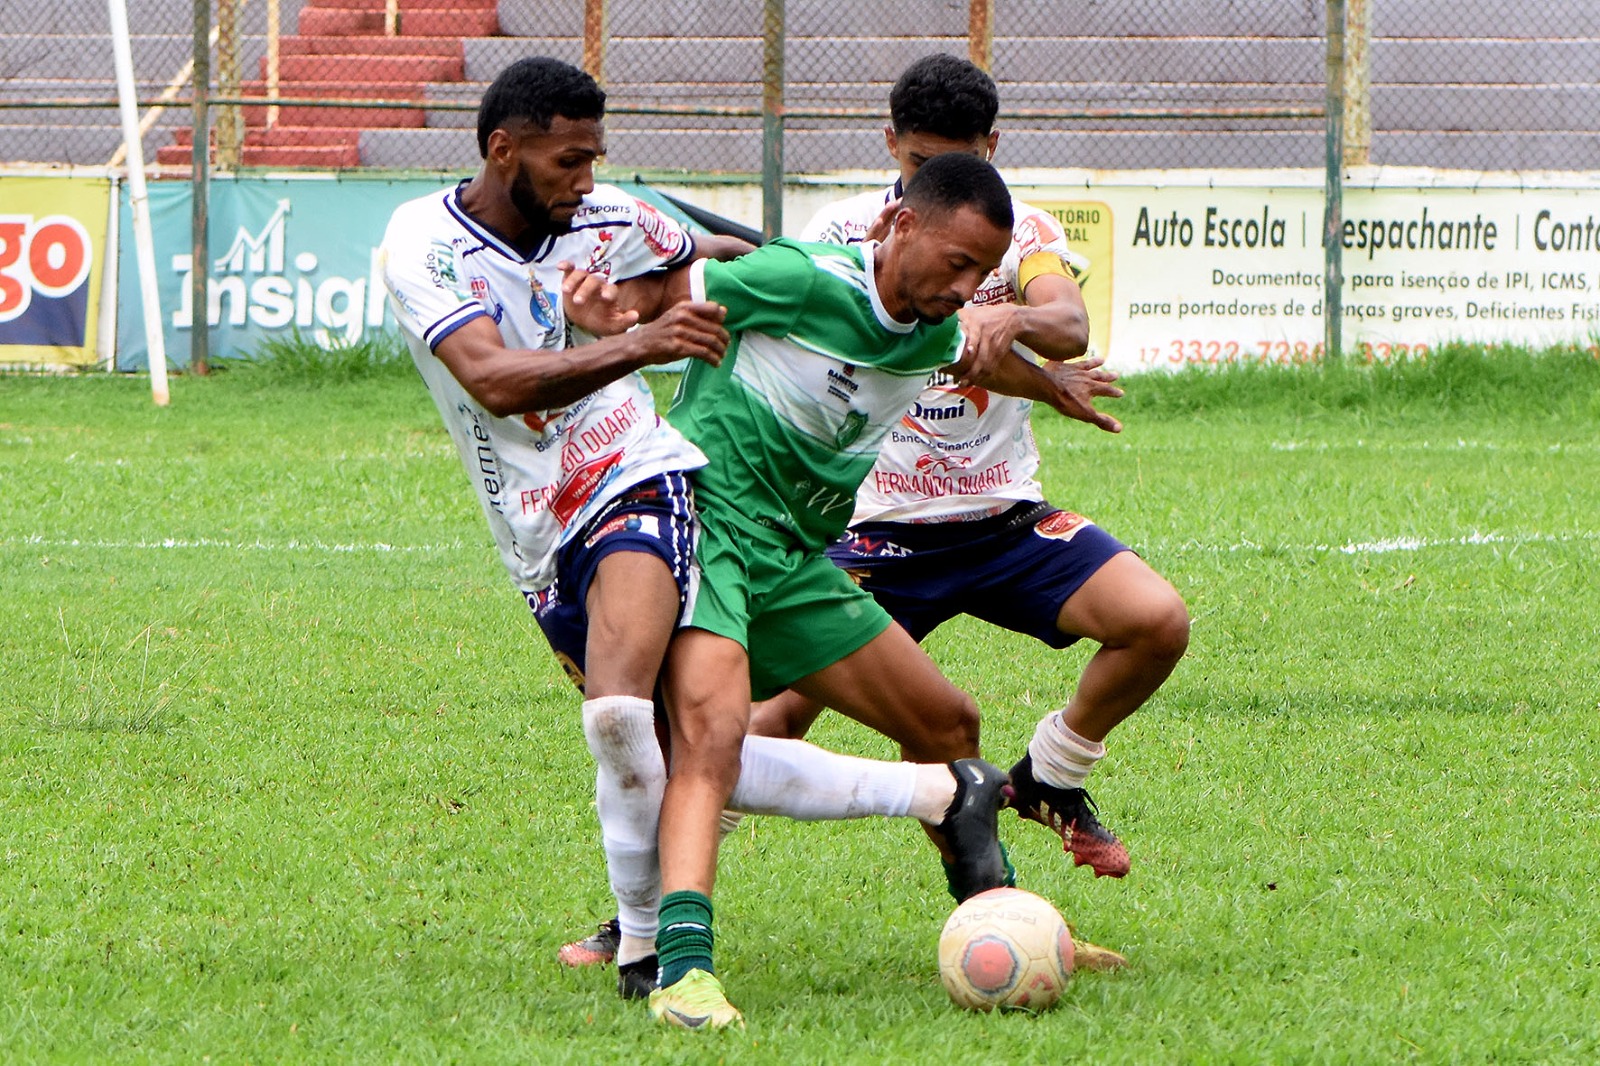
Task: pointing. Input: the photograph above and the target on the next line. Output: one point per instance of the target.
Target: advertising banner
(52, 240)
(288, 255)
(1212, 273)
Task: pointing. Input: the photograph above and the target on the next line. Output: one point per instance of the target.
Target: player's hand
(879, 230)
(989, 332)
(1077, 384)
(691, 330)
(591, 303)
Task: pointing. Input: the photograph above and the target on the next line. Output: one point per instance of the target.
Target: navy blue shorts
(656, 516)
(1014, 570)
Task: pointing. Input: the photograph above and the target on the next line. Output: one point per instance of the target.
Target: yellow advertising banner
(52, 260)
(1216, 268)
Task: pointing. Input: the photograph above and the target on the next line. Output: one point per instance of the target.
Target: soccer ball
(1005, 948)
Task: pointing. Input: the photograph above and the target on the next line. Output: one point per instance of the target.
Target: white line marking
(1399, 544)
(181, 543)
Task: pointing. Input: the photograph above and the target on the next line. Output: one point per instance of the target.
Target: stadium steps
(341, 53)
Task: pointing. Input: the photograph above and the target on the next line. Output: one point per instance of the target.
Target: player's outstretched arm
(509, 381)
(1052, 321)
(721, 246)
(1071, 388)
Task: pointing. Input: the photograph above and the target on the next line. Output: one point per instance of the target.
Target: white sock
(1060, 756)
(936, 790)
(628, 785)
(804, 782)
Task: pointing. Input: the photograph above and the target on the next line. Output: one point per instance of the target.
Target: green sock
(950, 880)
(684, 942)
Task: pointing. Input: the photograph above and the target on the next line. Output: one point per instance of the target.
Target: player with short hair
(585, 489)
(951, 519)
(829, 346)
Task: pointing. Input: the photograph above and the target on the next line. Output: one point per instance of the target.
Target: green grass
(287, 775)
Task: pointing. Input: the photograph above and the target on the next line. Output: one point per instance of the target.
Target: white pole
(106, 342)
(139, 202)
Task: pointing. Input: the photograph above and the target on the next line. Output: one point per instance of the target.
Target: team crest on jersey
(850, 429)
(539, 305)
(599, 263)
(648, 524)
(1063, 525)
(480, 288)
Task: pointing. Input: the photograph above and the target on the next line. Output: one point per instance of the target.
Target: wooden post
(980, 33)
(228, 118)
(1357, 85)
(772, 76)
(596, 27)
(274, 31)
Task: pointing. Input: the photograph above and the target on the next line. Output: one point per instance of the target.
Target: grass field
(286, 774)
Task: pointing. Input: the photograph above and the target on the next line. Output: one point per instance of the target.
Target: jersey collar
(868, 265)
(489, 236)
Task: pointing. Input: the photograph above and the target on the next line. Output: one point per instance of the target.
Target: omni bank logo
(259, 283)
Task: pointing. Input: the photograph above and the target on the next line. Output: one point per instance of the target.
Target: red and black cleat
(1070, 812)
(596, 949)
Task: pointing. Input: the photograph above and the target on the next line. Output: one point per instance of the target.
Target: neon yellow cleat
(1094, 958)
(697, 1001)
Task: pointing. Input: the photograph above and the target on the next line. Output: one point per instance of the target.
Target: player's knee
(706, 744)
(948, 730)
(1166, 630)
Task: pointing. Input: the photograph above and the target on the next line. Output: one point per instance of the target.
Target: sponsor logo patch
(663, 236)
(585, 481)
(648, 524)
(942, 464)
(1063, 525)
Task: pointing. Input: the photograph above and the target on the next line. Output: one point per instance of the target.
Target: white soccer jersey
(542, 475)
(959, 453)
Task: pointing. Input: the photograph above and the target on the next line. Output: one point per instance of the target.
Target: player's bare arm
(720, 246)
(1071, 388)
(1052, 321)
(605, 308)
(508, 381)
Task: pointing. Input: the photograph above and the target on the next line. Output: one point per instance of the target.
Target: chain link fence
(696, 84)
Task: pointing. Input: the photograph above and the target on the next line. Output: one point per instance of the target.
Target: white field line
(1401, 544)
(309, 547)
(317, 547)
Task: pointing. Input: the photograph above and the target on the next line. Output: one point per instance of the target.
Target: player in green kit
(830, 345)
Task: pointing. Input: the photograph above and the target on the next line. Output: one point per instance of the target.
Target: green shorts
(794, 611)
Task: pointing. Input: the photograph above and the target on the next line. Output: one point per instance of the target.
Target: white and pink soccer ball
(1005, 948)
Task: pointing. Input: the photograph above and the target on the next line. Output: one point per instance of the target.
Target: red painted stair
(342, 53)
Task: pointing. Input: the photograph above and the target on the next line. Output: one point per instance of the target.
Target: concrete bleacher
(63, 52)
(1455, 83)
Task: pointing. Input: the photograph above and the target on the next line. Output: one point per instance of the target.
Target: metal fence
(1480, 84)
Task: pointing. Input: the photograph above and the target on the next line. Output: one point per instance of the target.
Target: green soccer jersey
(816, 376)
